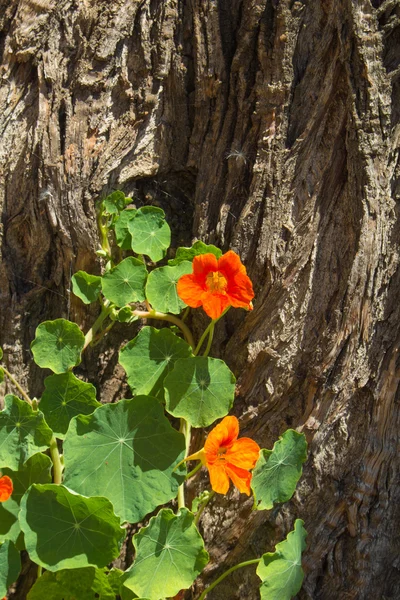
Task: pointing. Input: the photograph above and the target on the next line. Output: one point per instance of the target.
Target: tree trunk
(267, 126)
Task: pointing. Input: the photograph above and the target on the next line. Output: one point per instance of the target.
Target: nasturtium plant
(64, 530)
(280, 571)
(125, 282)
(64, 397)
(73, 584)
(127, 452)
(58, 345)
(10, 566)
(200, 390)
(149, 357)
(86, 287)
(184, 254)
(115, 202)
(122, 235)
(161, 288)
(150, 232)
(169, 555)
(277, 471)
(23, 433)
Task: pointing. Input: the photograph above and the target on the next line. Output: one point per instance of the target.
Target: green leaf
(150, 232)
(124, 315)
(126, 452)
(23, 433)
(170, 555)
(10, 566)
(73, 584)
(280, 571)
(58, 345)
(122, 235)
(278, 470)
(1, 352)
(36, 470)
(115, 202)
(66, 531)
(125, 282)
(199, 390)
(1, 375)
(87, 287)
(189, 253)
(149, 357)
(66, 396)
(161, 288)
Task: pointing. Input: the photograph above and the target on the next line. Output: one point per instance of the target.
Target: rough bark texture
(273, 127)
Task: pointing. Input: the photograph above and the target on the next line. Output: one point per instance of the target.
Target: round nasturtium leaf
(10, 566)
(169, 556)
(73, 584)
(128, 453)
(122, 235)
(149, 357)
(66, 531)
(161, 288)
(189, 253)
(280, 571)
(125, 282)
(277, 471)
(115, 202)
(66, 396)
(23, 433)
(199, 390)
(150, 232)
(87, 287)
(58, 345)
(36, 470)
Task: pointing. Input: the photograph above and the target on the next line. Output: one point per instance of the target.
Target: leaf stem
(56, 459)
(228, 572)
(202, 507)
(154, 314)
(210, 332)
(16, 384)
(184, 428)
(105, 311)
(194, 471)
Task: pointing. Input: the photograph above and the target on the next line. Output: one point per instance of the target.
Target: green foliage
(161, 288)
(125, 282)
(280, 571)
(115, 203)
(10, 566)
(277, 471)
(122, 235)
(66, 531)
(23, 433)
(150, 232)
(58, 345)
(189, 253)
(1, 375)
(126, 452)
(36, 470)
(149, 357)
(199, 390)
(86, 287)
(73, 584)
(66, 396)
(1, 352)
(170, 555)
(124, 315)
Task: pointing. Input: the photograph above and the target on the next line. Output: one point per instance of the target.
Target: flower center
(221, 453)
(216, 282)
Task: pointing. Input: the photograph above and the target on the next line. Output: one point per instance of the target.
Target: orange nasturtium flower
(216, 284)
(6, 488)
(228, 458)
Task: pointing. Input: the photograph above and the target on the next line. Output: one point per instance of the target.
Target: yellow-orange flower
(228, 458)
(6, 488)
(216, 284)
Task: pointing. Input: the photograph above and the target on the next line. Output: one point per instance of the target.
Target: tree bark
(267, 126)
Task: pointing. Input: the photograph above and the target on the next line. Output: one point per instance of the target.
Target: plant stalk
(56, 459)
(16, 384)
(105, 311)
(153, 314)
(228, 572)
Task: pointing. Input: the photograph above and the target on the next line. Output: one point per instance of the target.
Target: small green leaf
(66, 531)
(36, 470)
(189, 253)
(170, 555)
(115, 202)
(124, 315)
(66, 396)
(278, 470)
(10, 566)
(150, 232)
(125, 282)
(127, 452)
(73, 584)
(58, 345)
(87, 287)
(23, 433)
(1, 375)
(149, 357)
(199, 390)
(280, 571)
(1, 352)
(122, 235)
(161, 288)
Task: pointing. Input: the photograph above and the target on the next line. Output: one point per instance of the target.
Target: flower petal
(190, 291)
(214, 304)
(219, 479)
(203, 264)
(240, 291)
(6, 488)
(223, 435)
(243, 453)
(240, 478)
(230, 264)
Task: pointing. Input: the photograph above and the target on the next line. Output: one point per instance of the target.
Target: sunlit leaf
(125, 282)
(58, 345)
(189, 253)
(161, 288)
(122, 235)
(73, 584)
(150, 232)
(87, 287)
